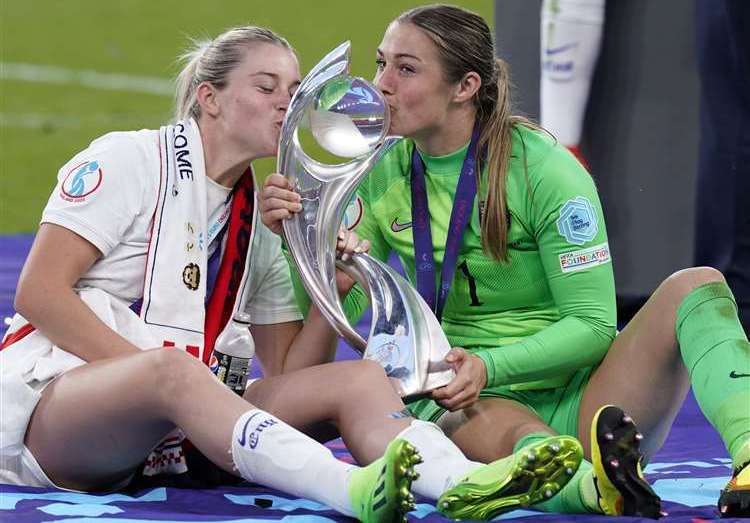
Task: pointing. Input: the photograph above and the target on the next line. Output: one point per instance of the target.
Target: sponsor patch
(81, 181)
(353, 214)
(585, 258)
(577, 222)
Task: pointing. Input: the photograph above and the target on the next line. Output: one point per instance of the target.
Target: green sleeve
(577, 266)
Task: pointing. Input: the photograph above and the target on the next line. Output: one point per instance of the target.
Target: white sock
(266, 450)
(571, 38)
(444, 463)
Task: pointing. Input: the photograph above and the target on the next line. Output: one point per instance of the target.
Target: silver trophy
(349, 117)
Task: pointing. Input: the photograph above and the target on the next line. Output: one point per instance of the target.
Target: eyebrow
(402, 55)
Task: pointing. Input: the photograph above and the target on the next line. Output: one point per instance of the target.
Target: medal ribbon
(463, 204)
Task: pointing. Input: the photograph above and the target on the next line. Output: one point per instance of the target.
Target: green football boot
(380, 492)
(534, 473)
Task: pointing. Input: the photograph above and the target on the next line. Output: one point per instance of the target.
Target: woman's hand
(278, 202)
(464, 389)
(348, 243)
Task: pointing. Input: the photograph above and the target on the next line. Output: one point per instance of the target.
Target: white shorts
(23, 469)
(26, 368)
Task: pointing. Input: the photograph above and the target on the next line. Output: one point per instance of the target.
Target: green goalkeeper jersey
(549, 310)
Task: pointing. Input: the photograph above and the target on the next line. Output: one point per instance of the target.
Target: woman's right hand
(278, 202)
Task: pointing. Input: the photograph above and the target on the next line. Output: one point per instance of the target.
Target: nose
(283, 103)
(383, 81)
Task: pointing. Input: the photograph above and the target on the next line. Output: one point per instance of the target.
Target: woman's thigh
(95, 424)
(490, 428)
(643, 372)
(326, 393)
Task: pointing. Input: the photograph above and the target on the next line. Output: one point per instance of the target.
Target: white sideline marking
(50, 74)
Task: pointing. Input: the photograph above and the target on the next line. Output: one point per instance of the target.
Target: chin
(396, 130)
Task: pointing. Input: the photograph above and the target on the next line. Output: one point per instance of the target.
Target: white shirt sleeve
(273, 301)
(100, 191)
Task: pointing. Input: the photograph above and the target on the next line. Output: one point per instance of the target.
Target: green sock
(578, 496)
(716, 353)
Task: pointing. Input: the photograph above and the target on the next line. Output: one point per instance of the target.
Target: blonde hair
(465, 44)
(212, 60)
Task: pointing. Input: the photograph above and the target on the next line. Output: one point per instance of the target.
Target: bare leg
(489, 431)
(490, 428)
(643, 372)
(355, 396)
(95, 424)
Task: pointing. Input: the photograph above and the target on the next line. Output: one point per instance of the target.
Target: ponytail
(497, 123)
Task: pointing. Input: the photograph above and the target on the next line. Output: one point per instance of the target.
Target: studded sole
(618, 452)
(407, 458)
(537, 474)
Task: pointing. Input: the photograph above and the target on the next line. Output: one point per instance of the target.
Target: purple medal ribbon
(463, 205)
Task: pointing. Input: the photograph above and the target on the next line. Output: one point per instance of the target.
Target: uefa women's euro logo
(81, 181)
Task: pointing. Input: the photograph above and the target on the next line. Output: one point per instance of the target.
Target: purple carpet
(688, 473)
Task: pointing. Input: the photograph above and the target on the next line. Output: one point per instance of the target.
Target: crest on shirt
(577, 222)
(353, 214)
(81, 181)
(191, 276)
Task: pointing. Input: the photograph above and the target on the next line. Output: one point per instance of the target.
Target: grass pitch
(48, 116)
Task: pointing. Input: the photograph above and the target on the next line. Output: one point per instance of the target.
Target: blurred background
(641, 129)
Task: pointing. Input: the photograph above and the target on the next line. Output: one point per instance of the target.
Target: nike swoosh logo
(398, 227)
(735, 374)
(243, 438)
(557, 50)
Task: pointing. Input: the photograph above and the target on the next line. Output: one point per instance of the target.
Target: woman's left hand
(464, 389)
(347, 244)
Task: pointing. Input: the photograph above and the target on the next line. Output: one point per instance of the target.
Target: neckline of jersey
(446, 164)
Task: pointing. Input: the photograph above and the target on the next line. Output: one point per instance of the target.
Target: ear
(467, 87)
(206, 97)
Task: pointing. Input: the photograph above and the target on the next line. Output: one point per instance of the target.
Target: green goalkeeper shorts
(558, 408)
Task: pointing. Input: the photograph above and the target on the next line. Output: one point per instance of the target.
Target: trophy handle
(405, 337)
(306, 233)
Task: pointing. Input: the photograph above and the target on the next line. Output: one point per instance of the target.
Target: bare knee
(365, 376)
(682, 282)
(171, 372)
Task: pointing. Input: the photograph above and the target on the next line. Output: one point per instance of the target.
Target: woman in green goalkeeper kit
(523, 283)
